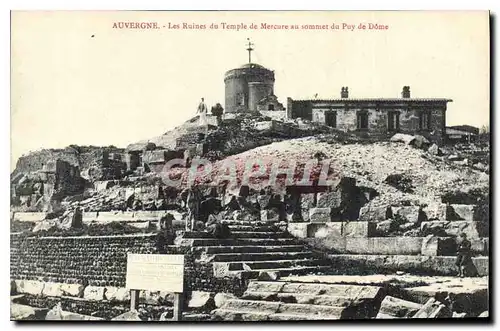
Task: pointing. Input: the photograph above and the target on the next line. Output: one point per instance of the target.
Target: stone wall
(93, 260)
(98, 263)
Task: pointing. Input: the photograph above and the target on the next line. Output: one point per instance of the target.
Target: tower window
(270, 107)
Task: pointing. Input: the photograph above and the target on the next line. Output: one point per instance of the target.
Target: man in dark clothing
(216, 227)
(463, 254)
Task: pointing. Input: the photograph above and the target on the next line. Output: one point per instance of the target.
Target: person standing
(463, 254)
(193, 206)
(202, 112)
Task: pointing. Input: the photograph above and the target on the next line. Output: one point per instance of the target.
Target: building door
(362, 120)
(331, 118)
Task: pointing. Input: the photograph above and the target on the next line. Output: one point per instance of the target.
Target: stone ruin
(303, 253)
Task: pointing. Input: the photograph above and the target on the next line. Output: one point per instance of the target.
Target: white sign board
(155, 272)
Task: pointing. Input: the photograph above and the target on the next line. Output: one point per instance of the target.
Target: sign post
(156, 272)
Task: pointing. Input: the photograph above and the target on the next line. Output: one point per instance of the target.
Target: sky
(77, 80)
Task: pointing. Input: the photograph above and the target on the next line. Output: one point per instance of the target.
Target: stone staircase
(280, 301)
(255, 247)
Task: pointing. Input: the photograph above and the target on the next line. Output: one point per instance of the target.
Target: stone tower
(247, 85)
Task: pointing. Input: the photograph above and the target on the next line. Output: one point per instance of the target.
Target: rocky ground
(402, 172)
(371, 164)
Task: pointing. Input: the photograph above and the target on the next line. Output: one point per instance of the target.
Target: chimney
(406, 92)
(344, 93)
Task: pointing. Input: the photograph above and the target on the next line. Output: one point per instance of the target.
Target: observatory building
(250, 88)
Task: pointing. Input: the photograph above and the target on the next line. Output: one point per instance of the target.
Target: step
(337, 290)
(238, 234)
(240, 242)
(414, 264)
(286, 308)
(283, 272)
(252, 249)
(233, 315)
(268, 256)
(256, 265)
(254, 223)
(326, 300)
(253, 228)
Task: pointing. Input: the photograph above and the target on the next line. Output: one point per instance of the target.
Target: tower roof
(252, 66)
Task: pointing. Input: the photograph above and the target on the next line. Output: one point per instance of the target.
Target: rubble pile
(371, 164)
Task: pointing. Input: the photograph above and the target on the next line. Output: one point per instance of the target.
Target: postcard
(217, 166)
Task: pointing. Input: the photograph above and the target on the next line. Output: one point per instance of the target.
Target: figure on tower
(250, 88)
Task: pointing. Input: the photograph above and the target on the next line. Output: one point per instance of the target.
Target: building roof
(378, 100)
(466, 128)
(455, 132)
(252, 65)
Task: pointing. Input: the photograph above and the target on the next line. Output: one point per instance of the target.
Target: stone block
(32, 287)
(29, 216)
(118, 216)
(332, 199)
(153, 215)
(72, 290)
(325, 230)
(307, 200)
(88, 217)
(430, 265)
(465, 213)
(375, 214)
(298, 230)
(358, 229)
(484, 314)
(433, 309)
(269, 215)
(26, 313)
(200, 299)
(474, 230)
(131, 316)
(436, 211)
(221, 298)
(389, 246)
(268, 275)
(373, 246)
(320, 215)
(412, 214)
(52, 290)
(94, 293)
(398, 308)
(140, 225)
(436, 246)
(403, 138)
(117, 294)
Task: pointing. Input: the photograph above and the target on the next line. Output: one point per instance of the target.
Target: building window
(270, 107)
(362, 119)
(331, 118)
(393, 121)
(424, 120)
